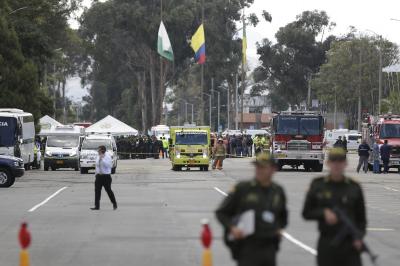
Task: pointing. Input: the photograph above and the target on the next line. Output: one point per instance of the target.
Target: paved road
(158, 222)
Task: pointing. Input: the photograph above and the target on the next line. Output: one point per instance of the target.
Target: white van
(62, 147)
(331, 136)
(353, 141)
(89, 147)
(17, 135)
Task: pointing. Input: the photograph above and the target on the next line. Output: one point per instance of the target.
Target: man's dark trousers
(385, 162)
(103, 181)
(257, 254)
(342, 255)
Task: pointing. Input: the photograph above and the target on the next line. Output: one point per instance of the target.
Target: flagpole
(202, 72)
(161, 64)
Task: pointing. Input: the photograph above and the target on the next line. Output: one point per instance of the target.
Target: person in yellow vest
(219, 154)
(267, 144)
(165, 145)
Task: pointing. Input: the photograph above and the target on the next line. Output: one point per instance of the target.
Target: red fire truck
(381, 128)
(298, 139)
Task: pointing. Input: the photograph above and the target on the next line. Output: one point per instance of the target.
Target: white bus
(17, 135)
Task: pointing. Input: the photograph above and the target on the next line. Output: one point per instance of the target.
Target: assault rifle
(349, 229)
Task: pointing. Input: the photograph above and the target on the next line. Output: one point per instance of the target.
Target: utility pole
(218, 103)
(219, 111)
(243, 75)
(236, 102)
(380, 78)
(210, 108)
(179, 115)
(161, 68)
(227, 106)
(359, 93)
(309, 93)
(54, 91)
(202, 72)
(335, 113)
(192, 113)
(186, 112)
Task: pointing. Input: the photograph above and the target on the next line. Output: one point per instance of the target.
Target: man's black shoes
(95, 209)
(115, 207)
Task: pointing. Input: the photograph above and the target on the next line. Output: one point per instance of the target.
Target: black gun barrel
(349, 229)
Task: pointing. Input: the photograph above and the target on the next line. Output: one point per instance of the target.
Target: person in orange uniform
(219, 154)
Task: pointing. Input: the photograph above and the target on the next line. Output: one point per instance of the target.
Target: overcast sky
(363, 14)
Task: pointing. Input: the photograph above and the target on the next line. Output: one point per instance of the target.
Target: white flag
(164, 46)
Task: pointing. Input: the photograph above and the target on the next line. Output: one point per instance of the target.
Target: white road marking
(380, 229)
(284, 233)
(221, 191)
(299, 243)
(391, 189)
(34, 208)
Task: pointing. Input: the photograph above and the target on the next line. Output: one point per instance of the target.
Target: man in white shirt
(103, 178)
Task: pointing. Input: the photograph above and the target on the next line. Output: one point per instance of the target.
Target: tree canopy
(287, 65)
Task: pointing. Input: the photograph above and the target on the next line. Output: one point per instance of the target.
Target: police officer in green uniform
(326, 194)
(268, 202)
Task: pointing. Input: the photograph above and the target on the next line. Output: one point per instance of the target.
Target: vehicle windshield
(191, 138)
(8, 131)
(161, 132)
(297, 125)
(94, 144)
(63, 141)
(390, 131)
(354, 137)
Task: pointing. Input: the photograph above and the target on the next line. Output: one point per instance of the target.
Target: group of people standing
(142, 147)
(378, 151)
(239, 145)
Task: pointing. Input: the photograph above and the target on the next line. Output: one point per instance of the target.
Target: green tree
(121, 36)
(352, 69)
(19, 86)
(286, 66)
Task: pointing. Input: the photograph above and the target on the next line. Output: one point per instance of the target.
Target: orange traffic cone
(161, 154)
(24, 240)
(206, 239)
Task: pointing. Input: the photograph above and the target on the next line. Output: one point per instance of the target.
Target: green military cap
(264, 159)
(337, 154)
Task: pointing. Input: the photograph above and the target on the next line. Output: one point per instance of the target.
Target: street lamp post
(227, 106)
(219, 105)
(380, 71)
(210, 103)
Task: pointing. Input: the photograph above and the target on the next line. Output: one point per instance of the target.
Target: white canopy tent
(46, 123)
(393, 79)
(111, 125)
(392, 69)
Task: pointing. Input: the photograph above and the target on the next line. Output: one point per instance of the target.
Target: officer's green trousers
(257, 255)
(343, 255)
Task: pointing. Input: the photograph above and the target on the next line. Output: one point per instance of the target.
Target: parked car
(10, 168)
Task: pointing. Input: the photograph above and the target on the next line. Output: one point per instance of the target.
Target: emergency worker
(219, 154)
(165, 146)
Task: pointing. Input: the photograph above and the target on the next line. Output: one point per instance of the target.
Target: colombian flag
(198, 45)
